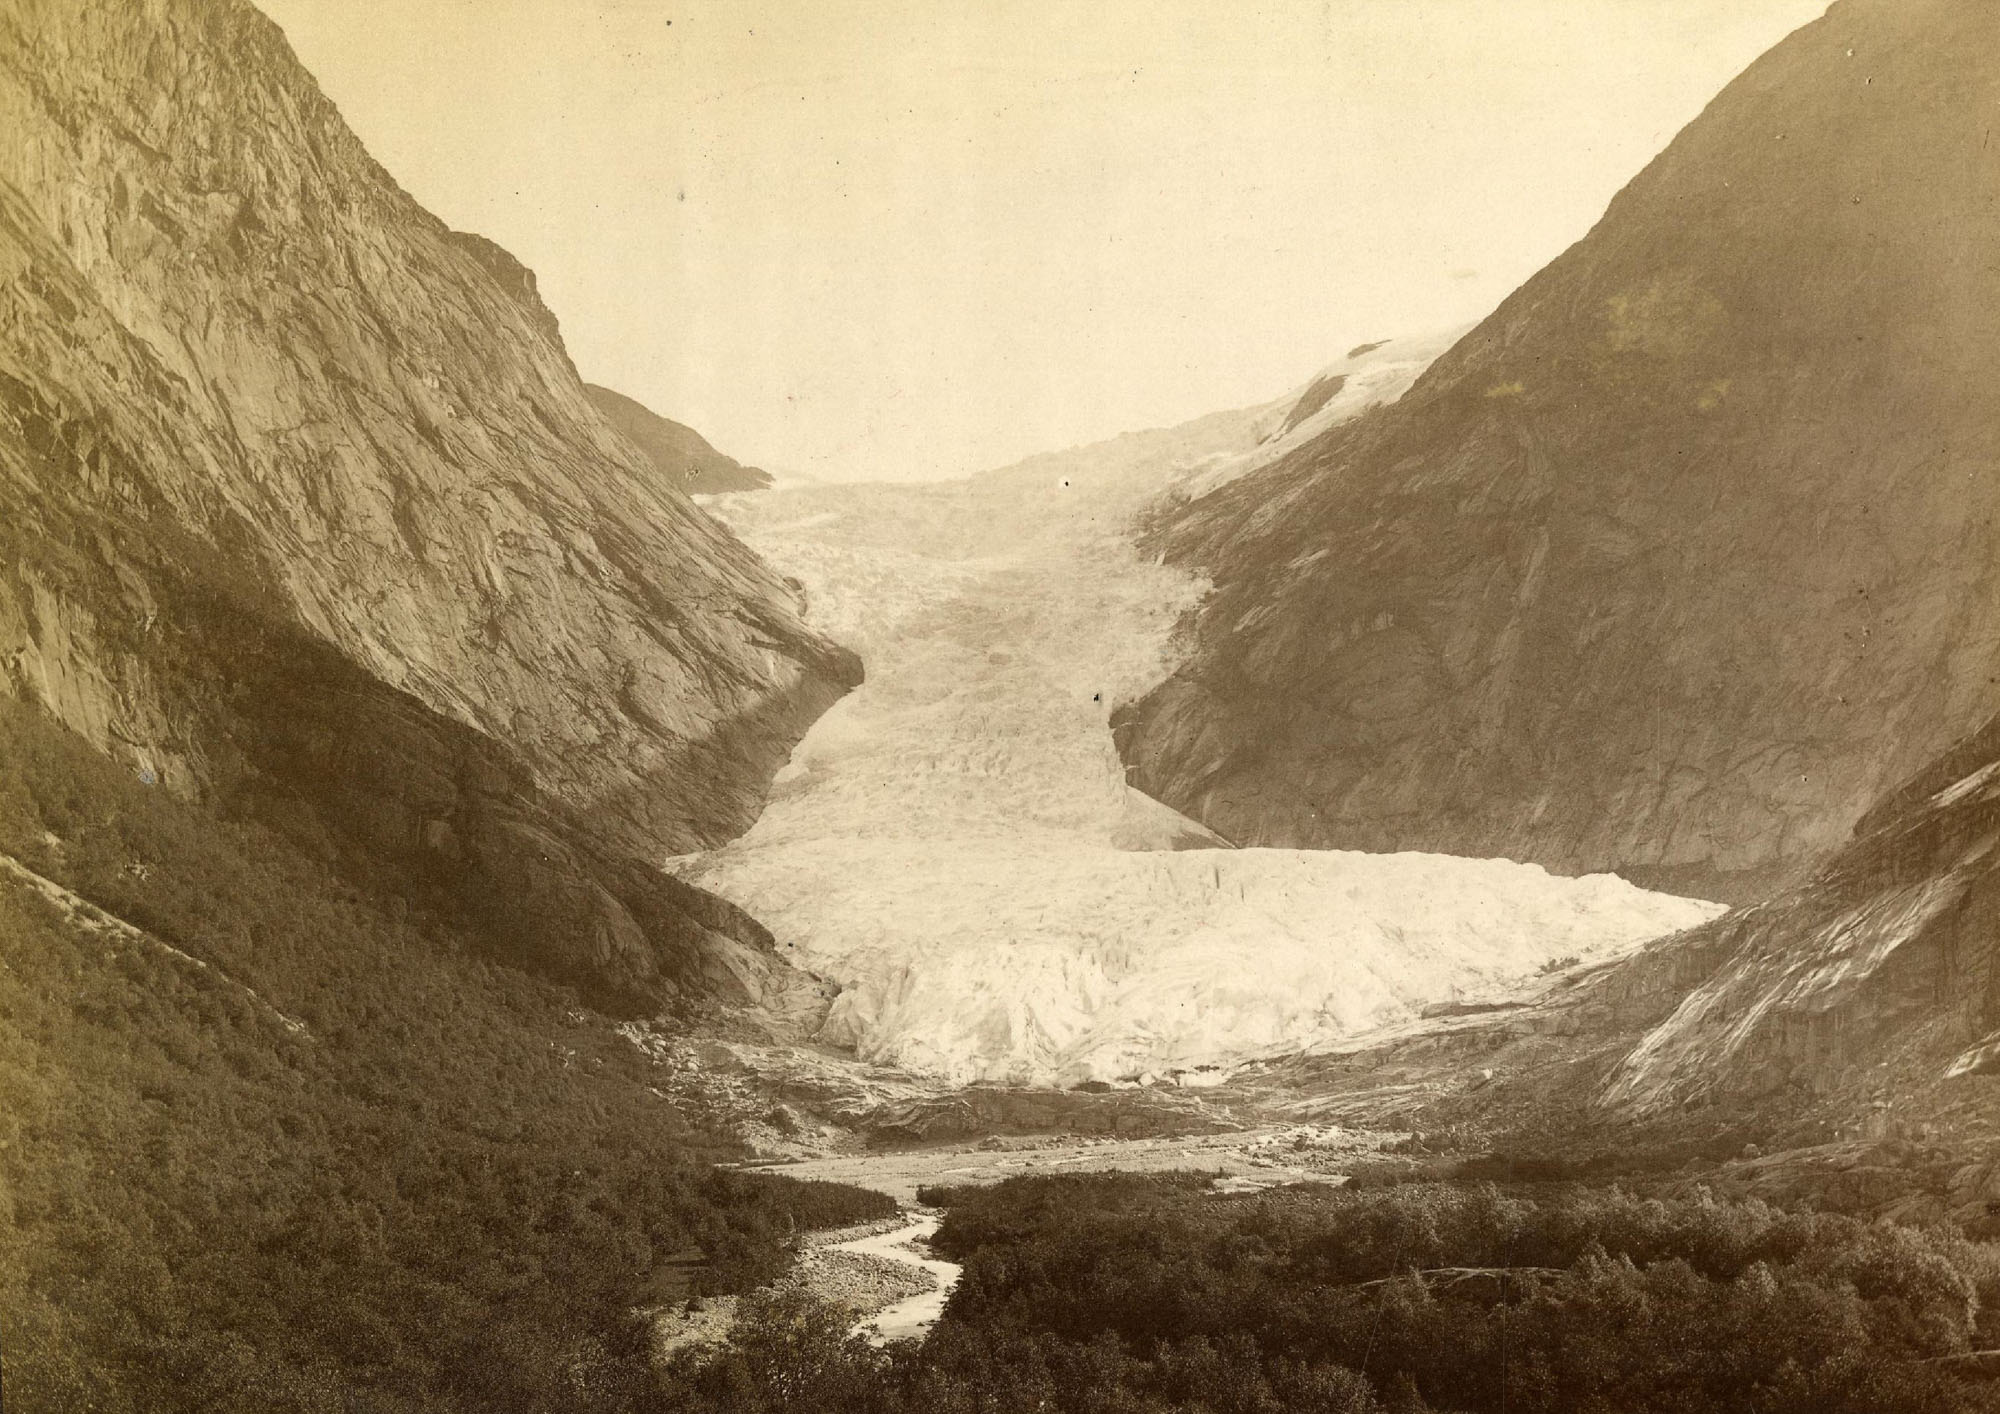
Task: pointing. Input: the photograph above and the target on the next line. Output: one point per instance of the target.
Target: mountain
(355, 676)
(305, 513)
(1371, 375)
(272, 1142)
(1683, 556)
(681, 454)
(1837, 1041)
(955, 845)
(1875, 980)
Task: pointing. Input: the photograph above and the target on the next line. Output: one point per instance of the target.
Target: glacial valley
(955, 846)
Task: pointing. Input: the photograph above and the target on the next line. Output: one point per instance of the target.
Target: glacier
(954, 844)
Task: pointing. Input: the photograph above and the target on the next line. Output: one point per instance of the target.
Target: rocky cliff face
(303, 507)
(681, 455)
(1879, 975)
(1862, 1004)
(1683, 556)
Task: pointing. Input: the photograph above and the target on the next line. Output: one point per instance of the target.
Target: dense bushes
(1124, 1293)
(347, 1165)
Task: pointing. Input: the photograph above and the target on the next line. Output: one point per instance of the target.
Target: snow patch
(1372, 375)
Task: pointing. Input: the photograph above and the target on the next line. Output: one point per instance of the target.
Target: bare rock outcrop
(1684, 555)
(303, 508)
(1858, 1006)
(681, 455)
(1878, 975)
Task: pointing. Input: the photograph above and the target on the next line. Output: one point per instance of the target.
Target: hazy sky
(896, 238)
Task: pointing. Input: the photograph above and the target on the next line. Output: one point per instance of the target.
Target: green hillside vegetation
(351, 1164)
(1123, 1294)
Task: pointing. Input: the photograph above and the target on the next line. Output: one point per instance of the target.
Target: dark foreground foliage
(346, 1165)
(1123, 1294)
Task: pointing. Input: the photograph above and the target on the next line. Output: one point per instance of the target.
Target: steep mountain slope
(1857, 1009)
(678, 452)
(1684, 555)
(270, 1143)
(955, 845)
(304, 510)
(1879, 974)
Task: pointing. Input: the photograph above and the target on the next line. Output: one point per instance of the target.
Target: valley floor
(884, 1274)
(1253, 1157)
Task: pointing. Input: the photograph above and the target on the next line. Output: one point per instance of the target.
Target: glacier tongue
(955, 845)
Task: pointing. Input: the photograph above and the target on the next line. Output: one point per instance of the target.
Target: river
(912, 1317)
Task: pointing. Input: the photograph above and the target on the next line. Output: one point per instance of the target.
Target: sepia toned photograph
(999, 707)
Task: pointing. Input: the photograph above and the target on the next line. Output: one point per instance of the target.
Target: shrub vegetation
(347, 1164)
(1123, 1294)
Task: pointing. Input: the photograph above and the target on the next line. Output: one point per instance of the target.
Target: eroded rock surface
(1881, 970)
(1683, 556)
(682, 456)
(1858, 1008)
(302, 504)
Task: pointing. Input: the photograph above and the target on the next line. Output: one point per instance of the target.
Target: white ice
(955, 844)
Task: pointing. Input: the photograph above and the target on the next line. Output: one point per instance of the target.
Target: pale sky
(913, 238)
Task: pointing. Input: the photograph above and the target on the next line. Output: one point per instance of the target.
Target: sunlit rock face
(1878, 976)
(300, 496)
(1683, 556)
(1860, 1003)
(955, 844)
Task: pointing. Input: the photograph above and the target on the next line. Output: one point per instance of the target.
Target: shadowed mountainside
(305, 511)
(1882, 970)
(1858, 1007)
(1684, 555)
(682, 455)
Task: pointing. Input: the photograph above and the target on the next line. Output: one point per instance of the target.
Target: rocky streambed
(874, 1271)
(912, 1317)
(884, 1274)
